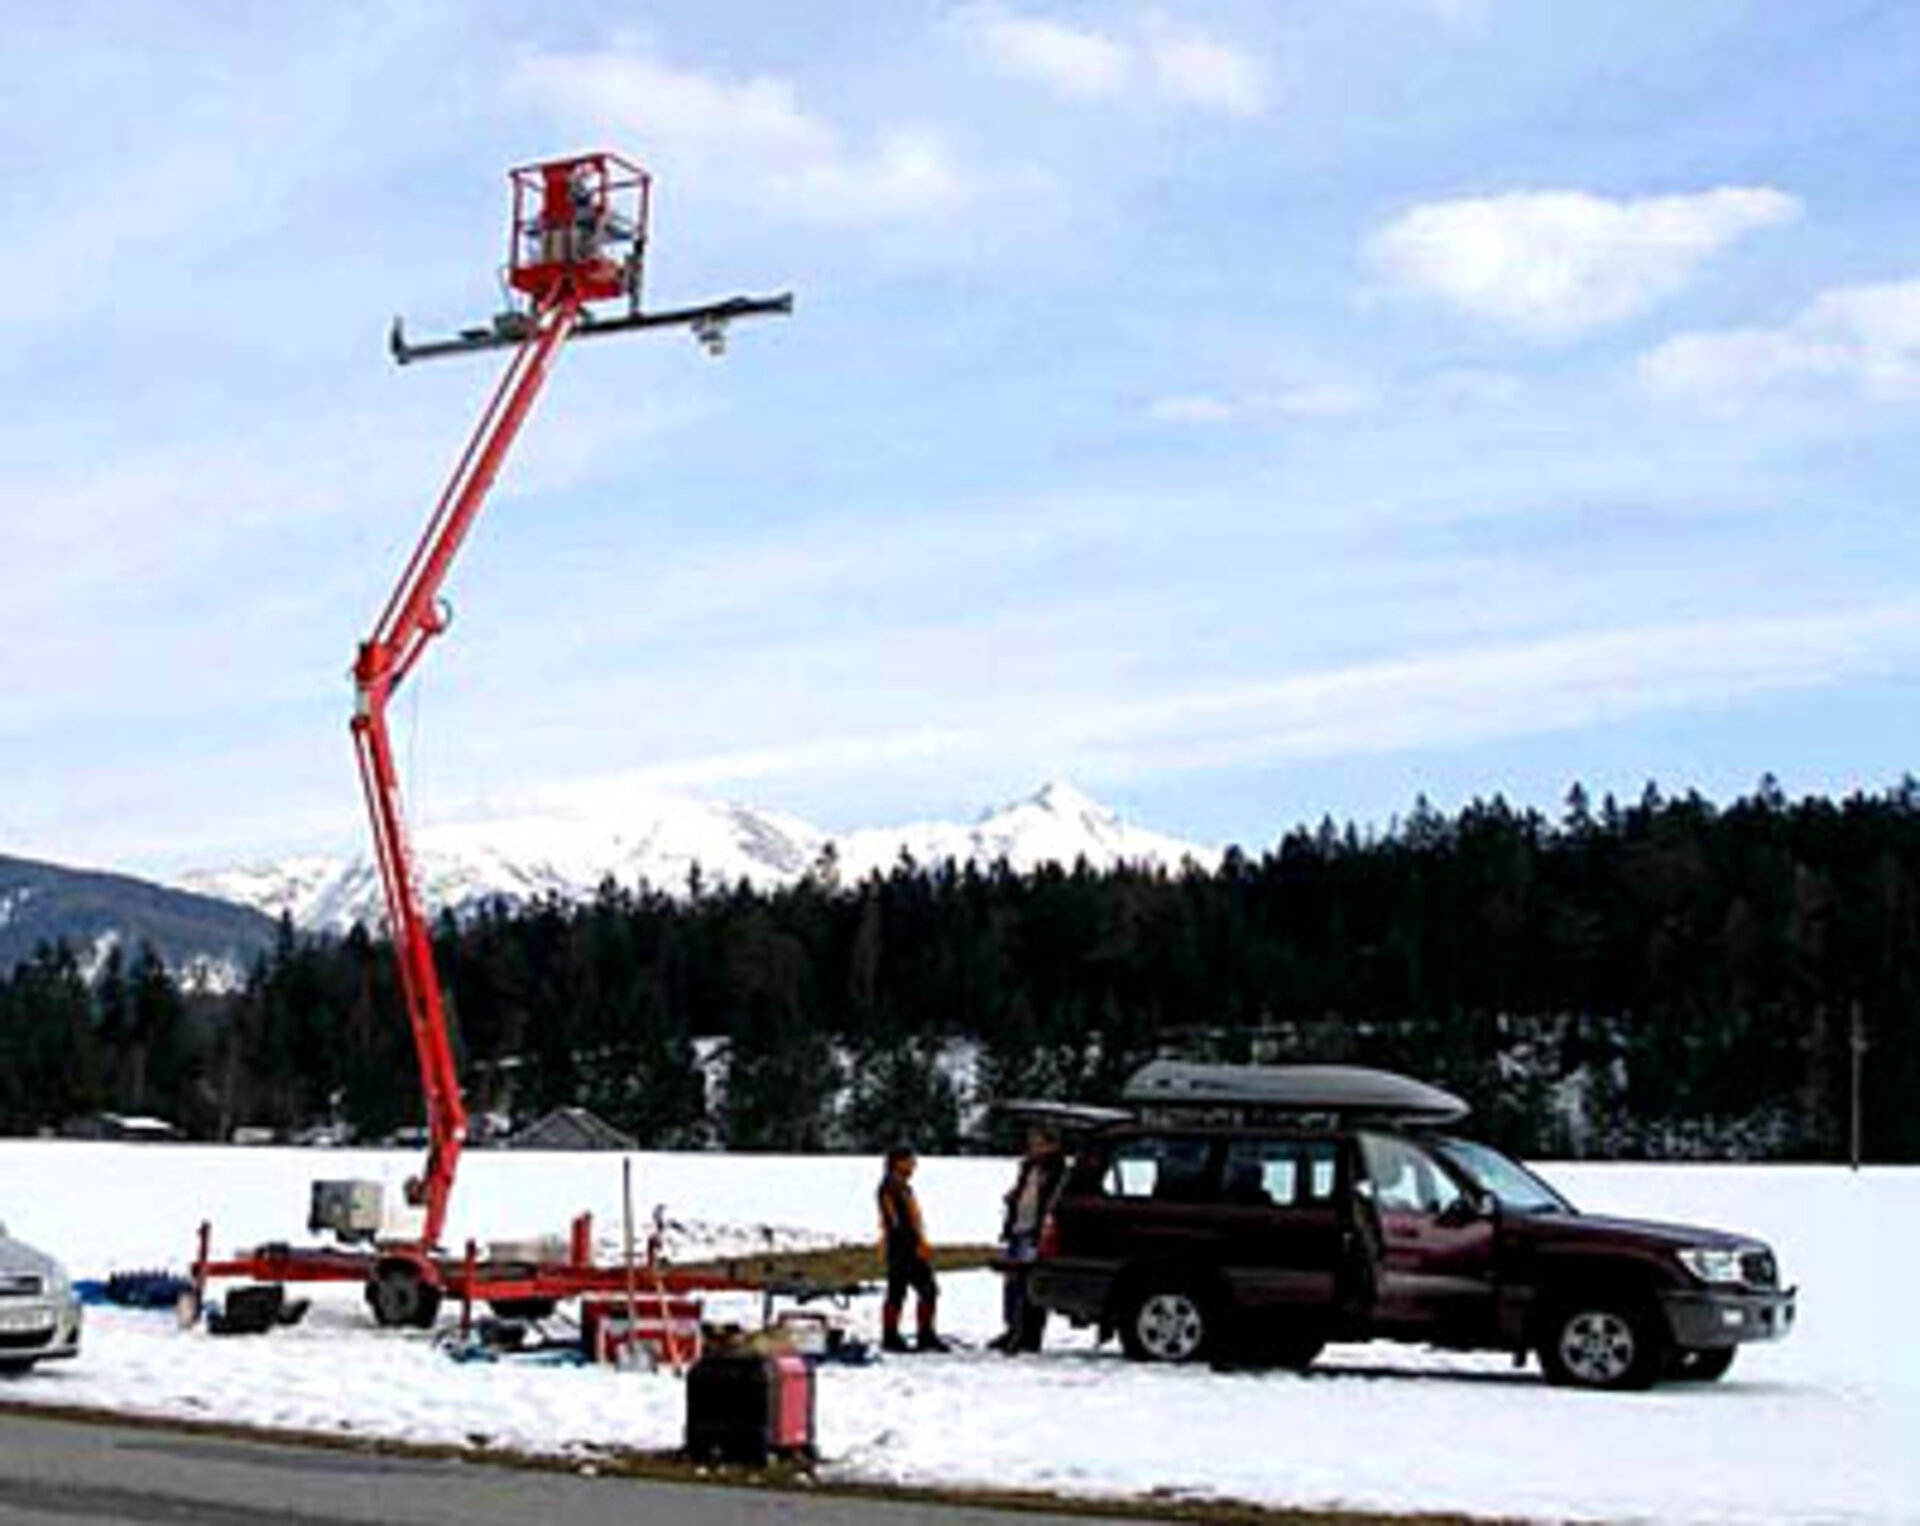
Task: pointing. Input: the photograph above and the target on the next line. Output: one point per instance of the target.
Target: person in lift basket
(909, 1258)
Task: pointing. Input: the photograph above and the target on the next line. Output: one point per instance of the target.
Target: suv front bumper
(1702, 1318)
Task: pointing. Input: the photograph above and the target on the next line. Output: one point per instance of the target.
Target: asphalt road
(74, 1473)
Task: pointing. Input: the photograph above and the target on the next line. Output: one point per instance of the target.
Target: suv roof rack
(1343, 1090)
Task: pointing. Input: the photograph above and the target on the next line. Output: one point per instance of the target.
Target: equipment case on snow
(750, 1406)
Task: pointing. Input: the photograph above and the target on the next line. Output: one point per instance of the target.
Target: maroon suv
(1258, 1212)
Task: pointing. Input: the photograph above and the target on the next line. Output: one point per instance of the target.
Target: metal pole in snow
(626, 1247)
(1857, 1043)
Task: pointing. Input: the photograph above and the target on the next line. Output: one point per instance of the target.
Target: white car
(39, 1313)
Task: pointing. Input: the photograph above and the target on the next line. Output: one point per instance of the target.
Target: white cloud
(1313, 400)
(1525, 688)
(1176, 65)
(70, 256)
(1552, 265)
(906, 173)
(751, 136)
(1865, 338)
(1196, 70)
(833, 756)
(1075, 61)
(760, 115)
(1055, 722)
(1194, 408)
(1337, 398)
(1455, 15)
(1471, 387)
(215, 171)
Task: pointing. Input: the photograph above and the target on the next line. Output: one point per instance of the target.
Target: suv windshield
(1517, 1188)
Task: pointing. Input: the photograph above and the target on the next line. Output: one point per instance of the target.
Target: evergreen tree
(1695, 970)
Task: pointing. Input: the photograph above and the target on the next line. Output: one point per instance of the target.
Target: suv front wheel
(1167, 1322)
(1594, 1343)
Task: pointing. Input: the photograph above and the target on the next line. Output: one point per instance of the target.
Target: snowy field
(1823, 1427)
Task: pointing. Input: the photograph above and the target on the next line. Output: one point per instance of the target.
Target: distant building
(571, 1128)
(119, 1127)
(324, 1136)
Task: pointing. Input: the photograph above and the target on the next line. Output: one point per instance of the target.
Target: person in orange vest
(909, 1258)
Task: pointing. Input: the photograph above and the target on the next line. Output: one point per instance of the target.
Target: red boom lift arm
(579, 232)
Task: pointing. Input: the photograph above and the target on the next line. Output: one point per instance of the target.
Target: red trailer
(577, 238)
(406, 1282)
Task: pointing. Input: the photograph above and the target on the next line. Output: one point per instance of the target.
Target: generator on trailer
(576, 242)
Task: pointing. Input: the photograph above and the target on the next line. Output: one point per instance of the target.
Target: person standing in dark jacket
(909, 1258)
(1042, 1169)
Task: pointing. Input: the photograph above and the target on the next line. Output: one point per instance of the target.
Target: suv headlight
(1711, 1264)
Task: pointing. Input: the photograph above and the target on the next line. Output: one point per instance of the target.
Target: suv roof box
(1067, 1117)
(1345, 1090)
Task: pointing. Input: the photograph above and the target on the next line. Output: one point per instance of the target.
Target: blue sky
(1247, 411)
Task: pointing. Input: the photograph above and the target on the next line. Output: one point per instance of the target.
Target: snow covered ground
(1824, 1427)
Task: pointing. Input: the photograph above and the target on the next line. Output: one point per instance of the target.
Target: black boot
(892, 1341)
(930, 1342)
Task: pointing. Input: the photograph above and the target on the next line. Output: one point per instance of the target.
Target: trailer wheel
(400, 1296)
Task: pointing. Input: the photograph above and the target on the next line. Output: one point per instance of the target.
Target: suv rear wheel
(1167, 1322)
(1595, 1343)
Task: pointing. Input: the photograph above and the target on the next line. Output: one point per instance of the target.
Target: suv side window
(1279, 1173)
(1404, 1177)
(1167, 1167)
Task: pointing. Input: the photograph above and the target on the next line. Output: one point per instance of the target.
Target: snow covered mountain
(207, 942)
(1056, 825)
(660, 840)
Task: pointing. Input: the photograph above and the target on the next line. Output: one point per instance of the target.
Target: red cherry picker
(577, 241)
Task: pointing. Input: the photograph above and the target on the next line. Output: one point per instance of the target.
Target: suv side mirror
(1472, 1204)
